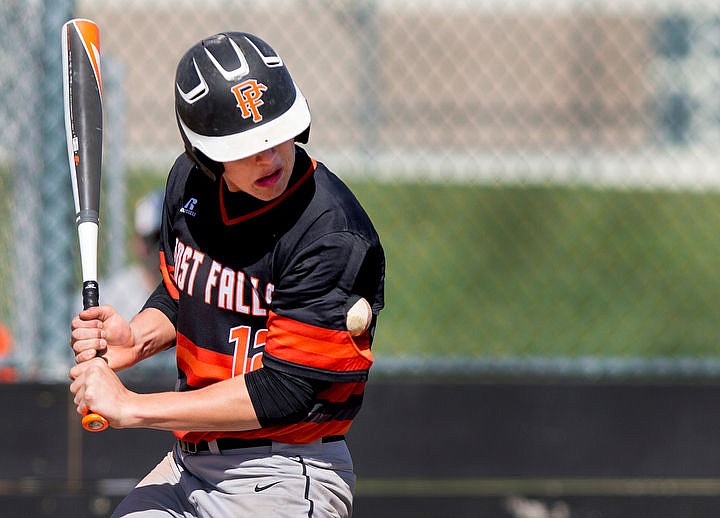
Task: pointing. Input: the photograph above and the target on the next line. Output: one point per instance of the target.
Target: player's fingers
(76, 372)
(79, 400)
(80, 323)
(93, 313)
(87, 384)
(77, 388)
(101, 313)
(86, 355)
(81, 371)
(87, 343)
(82, 341)
(83, 337)
(88, 349)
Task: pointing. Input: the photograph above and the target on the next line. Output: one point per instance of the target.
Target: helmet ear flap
(209, 167)
(303, 137)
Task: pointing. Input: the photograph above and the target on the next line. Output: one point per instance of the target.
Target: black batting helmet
(234, 97)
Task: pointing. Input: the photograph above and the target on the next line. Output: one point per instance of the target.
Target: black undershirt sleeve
(280, 398)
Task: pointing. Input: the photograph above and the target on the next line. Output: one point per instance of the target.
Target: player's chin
(268, 191)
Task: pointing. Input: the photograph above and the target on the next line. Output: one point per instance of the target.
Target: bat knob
(93, 422)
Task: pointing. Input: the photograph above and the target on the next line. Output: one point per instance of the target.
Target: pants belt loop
(213, 447)
(188, 447)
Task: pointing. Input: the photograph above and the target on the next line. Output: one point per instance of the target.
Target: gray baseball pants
(276, 481)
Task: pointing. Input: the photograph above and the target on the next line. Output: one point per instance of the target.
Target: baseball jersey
(251, 283)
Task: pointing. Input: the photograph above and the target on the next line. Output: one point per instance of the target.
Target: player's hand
(96, 386)
(101, 331)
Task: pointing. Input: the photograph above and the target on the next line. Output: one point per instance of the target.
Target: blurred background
(544, 175)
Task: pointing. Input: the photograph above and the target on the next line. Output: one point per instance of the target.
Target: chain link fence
(544, 173)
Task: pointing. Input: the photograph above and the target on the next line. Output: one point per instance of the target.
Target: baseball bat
(82, 89)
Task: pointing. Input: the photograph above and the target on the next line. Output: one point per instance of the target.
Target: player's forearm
(219, 407)
(152, 333)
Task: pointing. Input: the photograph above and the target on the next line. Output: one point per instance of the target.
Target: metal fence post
(115, 182)
(25, 139)
(56, 276)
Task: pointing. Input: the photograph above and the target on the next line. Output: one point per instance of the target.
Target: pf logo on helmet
(249, 98)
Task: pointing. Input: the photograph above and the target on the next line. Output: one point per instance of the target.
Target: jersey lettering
(226, 291)
(212, 281)
(198, 258)
(240, 295)
(256, 309)
(183, 255)
(223, 286)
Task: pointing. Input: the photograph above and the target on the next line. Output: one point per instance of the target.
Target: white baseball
(359, 317)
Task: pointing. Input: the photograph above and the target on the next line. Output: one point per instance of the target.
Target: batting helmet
(234, 97)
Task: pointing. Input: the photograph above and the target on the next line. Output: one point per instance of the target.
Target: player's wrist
(130, 412)
(151, 332)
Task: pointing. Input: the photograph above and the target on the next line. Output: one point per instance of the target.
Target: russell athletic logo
(249, 98)
(189, 207)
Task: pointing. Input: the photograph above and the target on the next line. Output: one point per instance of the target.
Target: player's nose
(266, 156)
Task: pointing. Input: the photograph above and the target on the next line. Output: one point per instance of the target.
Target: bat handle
(92, 421)
(90, 294)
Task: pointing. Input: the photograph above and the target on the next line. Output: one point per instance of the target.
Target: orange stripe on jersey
(201, 366)
(168, 278)
(301, 433)
(316, 347)
(340, 392)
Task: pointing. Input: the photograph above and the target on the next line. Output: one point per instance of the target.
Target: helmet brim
(247, 143)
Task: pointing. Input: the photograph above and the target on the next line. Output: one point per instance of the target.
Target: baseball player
(264, 255)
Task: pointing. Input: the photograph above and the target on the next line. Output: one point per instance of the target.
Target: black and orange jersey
(250, 283)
